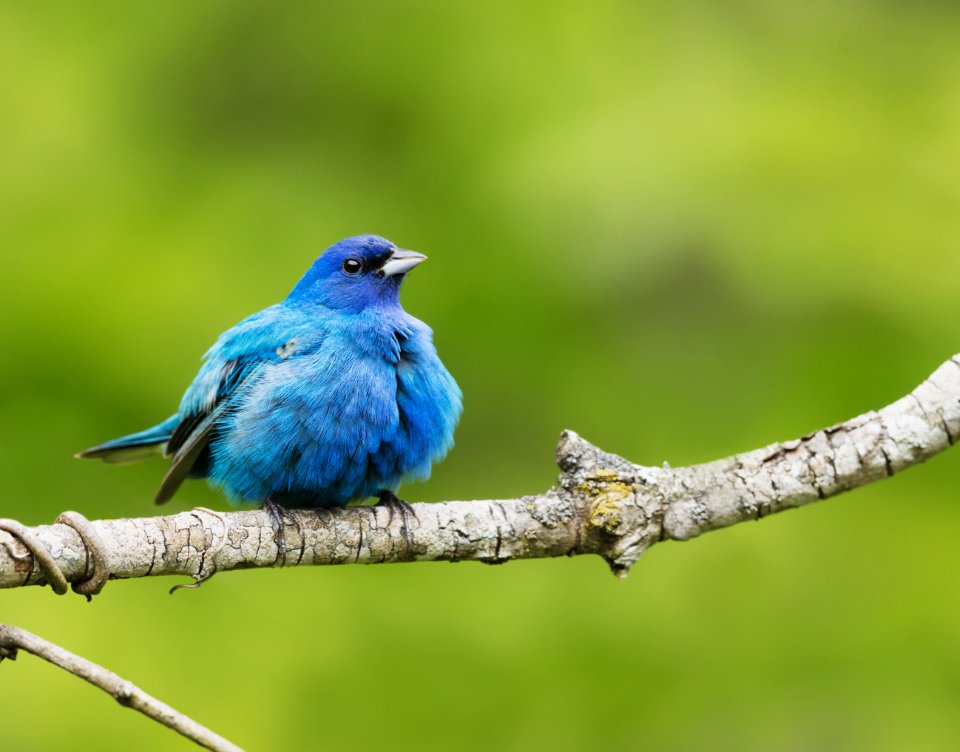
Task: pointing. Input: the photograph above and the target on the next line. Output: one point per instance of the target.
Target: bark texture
(602, 504)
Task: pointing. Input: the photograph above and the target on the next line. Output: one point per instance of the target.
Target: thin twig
(127, 694)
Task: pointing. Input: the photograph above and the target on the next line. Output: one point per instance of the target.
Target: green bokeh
(681, 229)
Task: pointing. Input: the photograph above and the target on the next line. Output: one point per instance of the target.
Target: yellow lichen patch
(597, 482)
(603, 476)
(606, 493)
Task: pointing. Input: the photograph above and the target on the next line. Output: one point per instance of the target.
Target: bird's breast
(339, 424)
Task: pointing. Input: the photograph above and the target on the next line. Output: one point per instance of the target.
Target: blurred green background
(681, 229)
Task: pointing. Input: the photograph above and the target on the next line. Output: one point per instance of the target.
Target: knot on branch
(124, 693)
(8, 645)
(622, 505)
(36, 556)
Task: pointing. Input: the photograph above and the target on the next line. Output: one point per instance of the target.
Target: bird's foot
(395, 504)
(279, 519)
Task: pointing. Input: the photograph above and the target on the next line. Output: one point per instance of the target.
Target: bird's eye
(352, 266)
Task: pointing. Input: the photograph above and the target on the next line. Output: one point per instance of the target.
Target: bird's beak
(401, 261)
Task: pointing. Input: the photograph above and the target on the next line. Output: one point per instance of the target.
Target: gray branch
(14, 639)
(602, 504)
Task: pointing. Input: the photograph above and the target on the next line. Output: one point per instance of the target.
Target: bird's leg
(394, 503)
(277, 516)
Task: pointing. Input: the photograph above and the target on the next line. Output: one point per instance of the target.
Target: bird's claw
(395, 504)
(279, 519)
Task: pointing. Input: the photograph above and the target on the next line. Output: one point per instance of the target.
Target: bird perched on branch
(335, 394)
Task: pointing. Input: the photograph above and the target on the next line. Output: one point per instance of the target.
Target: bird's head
(356, 273)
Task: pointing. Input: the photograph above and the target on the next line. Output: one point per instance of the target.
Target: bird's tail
(136, 446)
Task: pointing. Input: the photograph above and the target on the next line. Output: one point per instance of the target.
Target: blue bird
(333, 395)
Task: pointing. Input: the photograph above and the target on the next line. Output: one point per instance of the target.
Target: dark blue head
(356, 273)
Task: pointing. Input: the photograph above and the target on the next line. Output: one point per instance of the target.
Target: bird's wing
(237, 361)
(189, 450)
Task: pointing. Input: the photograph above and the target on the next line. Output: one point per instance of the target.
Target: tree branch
(602, 504)
(13, 639)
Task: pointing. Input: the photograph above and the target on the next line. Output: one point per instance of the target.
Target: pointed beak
(401, 261)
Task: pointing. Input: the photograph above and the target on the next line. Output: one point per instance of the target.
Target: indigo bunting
(334, 395)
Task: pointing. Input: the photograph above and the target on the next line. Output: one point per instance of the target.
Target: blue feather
(136, 446)
(332, 395)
